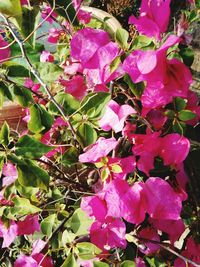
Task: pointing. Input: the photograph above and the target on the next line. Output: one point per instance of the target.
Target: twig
(65, 176)
(166, 247)
(41, 23)
(7, 46)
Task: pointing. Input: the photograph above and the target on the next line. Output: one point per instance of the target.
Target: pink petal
(109, 235)
(25, 261)
(151, 234)
(5, 53)
(98, 150)
(38, 246)
(174, 228)
(28, 226)
(9, 234)
(175, 149)
(162, 201)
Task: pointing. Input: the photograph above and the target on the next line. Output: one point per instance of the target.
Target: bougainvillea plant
(103, 168)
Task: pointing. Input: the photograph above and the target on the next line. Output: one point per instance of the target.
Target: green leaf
(79, 222)
(100, 264)
(1, 163)
(87, 251)
(47, 224)
(136, 88)
(49, 72)
(70, 261)
(4, 91)
(127, 264)
(27, 191)
(5, 134)
(121, 36)
(187, 55)
(30, 20)
(41, 120)
(70, 157)
(66, 10)
(30, 174)
(66, 101)
(86, 134)
(23, 95)
(16, 70)
(116, 168)
(11, 8)
(105, 174)
(170, 114)
(67, 237)
(115, 64)
(186, 115)
(180, 103)
(33, 53)
(29, 147)
(22, 206)
(97, 101)
(141, 41)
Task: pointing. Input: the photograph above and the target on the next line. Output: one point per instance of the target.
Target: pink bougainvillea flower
(192, 252)
(182, 180)
(47, 137)
(30, 84)
(84, 17)
(139, 262)
(86, 43)
(72, 68)
(174, 228)
(43, 260)
(156, 118)
(45, 14)
(160, 198)
(8, 233)
(26, 227)
(25, 261)
(4, 201)
(54, 35)
(120, 197)
(24, 2)
(108, 235)
(165, 78)
(147, 147)
(95, 207)
(46, 56)
(10, 172)
(172, 148)
(149, 247)
(5, 53)
(193, 105)
(36, 259)
(76, 86)
(116, 200)
(127, 165)
(38, 246)
(115, 116)
(153, 19)
(94, 50)
(33, 261)
(98, 150)
(129, 130)
(29, 225)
